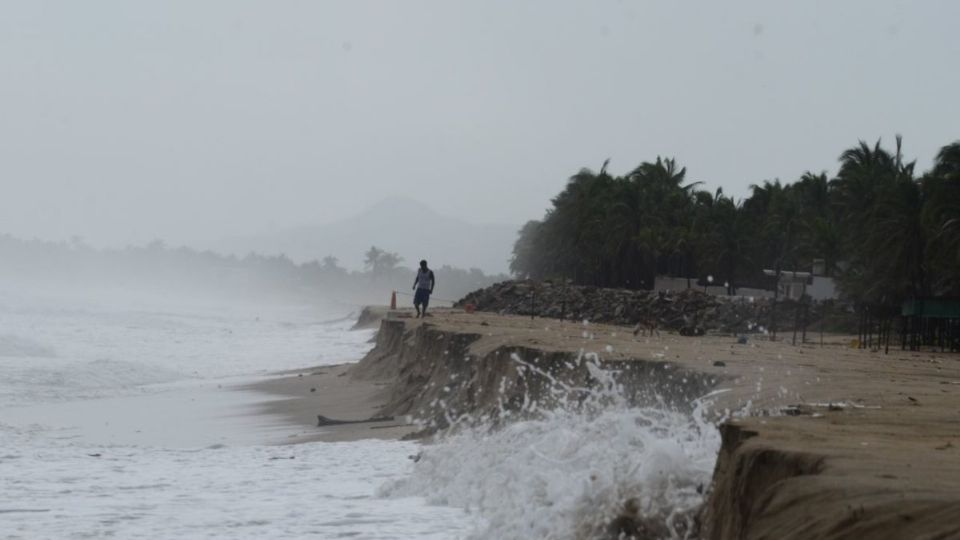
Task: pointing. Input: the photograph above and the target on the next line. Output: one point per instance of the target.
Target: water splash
(593, 466)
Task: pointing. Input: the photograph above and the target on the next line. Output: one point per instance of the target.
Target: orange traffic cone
(393, 300)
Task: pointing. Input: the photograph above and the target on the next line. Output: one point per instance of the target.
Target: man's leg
(426, 301)
(418, 300)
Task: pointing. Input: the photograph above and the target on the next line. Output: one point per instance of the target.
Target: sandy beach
(821, 441)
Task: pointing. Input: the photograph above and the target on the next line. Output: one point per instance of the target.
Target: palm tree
(881, 203)
(726, 247)
(380, 262)
(947, 165)
(813, 193)
(527, 251)
(577, 220)
(820, 238)
(941, 217)
(372, 257)
(660, 207)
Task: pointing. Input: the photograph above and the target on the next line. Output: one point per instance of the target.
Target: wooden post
(903, 333)
(823, 316)
(776, 296)
(940, 330)
(796, 322)
(806, 316)
(886, 349)
(861, 335)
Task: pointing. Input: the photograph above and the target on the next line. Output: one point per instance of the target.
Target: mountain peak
(396, 223)
(393, 202)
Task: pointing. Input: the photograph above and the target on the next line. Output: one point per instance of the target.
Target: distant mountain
(408, 227)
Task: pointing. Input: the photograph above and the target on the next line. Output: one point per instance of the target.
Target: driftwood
(324, 421)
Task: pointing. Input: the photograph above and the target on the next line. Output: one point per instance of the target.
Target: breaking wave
(593, 467)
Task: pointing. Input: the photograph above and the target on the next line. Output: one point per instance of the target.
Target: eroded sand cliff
(835, 443)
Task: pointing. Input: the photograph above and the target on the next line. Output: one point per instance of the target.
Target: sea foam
(596, 466)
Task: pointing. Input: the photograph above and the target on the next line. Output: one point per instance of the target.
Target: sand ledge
(870, 448)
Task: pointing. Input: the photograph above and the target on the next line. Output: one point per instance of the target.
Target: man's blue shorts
(421, 297)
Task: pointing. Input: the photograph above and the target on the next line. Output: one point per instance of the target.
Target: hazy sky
(125, 121)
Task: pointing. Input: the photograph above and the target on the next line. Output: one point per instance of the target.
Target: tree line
(885, 232)
(163, 269)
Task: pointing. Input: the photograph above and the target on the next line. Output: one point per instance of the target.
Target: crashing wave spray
(590, 466)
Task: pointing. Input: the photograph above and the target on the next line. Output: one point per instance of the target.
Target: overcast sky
(189, 121)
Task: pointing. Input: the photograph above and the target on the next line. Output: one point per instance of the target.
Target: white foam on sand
(57, 488)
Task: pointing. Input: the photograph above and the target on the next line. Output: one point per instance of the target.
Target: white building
(794, 285)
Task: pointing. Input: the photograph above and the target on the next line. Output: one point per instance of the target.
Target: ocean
(123, 418)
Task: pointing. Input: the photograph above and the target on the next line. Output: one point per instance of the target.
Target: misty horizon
(195, 122)
(347, 240)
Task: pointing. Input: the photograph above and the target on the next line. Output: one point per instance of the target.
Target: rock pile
(686, 311)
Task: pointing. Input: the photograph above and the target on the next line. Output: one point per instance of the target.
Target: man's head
(423, 264)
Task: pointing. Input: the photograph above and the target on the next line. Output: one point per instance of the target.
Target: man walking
(423, 285)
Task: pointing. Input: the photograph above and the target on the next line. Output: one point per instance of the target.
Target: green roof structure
(932, 308)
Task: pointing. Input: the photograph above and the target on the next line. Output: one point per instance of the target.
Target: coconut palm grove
(885, 231)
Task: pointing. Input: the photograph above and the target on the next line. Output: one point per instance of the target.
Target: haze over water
(193, 122)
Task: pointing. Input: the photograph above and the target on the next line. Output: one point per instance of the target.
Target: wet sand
(331, 392)
(191, 414)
